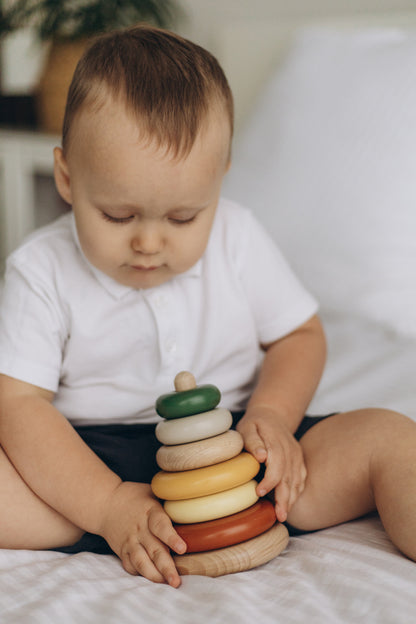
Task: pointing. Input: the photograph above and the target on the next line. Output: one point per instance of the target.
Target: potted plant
(67, 25)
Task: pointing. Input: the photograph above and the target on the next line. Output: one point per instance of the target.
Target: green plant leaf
(75, 19)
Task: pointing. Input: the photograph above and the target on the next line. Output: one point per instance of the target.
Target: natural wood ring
(204, 481)
(237, 558)
(230, 530)
(213, 506)
(200, 453)
(197, 427)
(194, 401)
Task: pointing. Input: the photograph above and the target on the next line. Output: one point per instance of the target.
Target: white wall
(203, 15)
(22, 57)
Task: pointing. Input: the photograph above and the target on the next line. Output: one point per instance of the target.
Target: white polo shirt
(108, 351)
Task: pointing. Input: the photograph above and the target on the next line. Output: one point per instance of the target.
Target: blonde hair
(167, 82)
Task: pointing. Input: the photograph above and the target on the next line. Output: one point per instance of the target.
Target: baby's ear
(61, 174)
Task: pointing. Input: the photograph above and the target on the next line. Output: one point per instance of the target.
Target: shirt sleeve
(32, 328)
(279, 301)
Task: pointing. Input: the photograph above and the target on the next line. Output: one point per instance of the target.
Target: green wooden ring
(188, 402)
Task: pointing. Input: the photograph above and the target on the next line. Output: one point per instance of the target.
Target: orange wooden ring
(230, 530)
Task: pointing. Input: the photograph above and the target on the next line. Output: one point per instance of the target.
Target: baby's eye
(108, 217)
(182, 221)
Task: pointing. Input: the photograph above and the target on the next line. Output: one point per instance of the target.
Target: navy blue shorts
(130, 450)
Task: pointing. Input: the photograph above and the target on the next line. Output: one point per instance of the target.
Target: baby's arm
(289, 376)
(61, 469)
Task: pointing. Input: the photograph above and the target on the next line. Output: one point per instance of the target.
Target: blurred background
(32, 31)
(40, 43)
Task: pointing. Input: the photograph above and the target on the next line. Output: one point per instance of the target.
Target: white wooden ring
(200, 453)
(244, 556)
(204, 481)
(192, 428)
(212, 506)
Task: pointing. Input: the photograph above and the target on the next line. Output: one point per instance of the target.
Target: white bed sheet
(346, 574)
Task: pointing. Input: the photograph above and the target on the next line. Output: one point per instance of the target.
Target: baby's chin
(140, 276)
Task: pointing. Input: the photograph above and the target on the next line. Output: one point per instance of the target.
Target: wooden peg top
(184, 381)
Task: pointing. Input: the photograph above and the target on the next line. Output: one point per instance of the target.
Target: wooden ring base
(238, 558)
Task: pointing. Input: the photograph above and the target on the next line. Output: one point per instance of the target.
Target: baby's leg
(358, 462)
(25, 520)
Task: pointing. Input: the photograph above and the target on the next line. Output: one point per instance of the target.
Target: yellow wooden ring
(212, 506)
(200, 453)
(204, 481)
(244, 556)
(192, 428)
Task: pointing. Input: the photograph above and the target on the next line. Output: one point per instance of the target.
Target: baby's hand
(271, 442)
(140, 532)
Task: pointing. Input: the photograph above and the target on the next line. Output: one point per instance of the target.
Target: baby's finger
(278, 472)
(253, 442)
(282, 497)
(298, 486)
(164, 564)
(137, 561)
(273, 473)
(128, 566)
(161, 527)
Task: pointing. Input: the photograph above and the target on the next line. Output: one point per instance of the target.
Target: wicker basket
(54, 82)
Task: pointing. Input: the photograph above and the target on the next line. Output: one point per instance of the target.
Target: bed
(326, 137)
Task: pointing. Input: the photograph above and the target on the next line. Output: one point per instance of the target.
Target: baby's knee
(392, 436)
(384, 425)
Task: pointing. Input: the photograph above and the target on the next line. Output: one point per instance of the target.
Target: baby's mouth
(142, 267)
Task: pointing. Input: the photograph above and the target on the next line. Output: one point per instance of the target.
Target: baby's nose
(147, 240)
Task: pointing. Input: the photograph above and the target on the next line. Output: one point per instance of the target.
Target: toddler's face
(142, 217)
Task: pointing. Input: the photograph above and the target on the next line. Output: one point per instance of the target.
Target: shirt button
(160, 301)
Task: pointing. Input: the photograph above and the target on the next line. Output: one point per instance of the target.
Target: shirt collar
(114, 288)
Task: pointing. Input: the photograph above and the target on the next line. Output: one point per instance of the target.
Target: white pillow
(328, 162)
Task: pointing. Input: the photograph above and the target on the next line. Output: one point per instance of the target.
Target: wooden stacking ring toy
(188, 399)
(192, 428)
(207, 480)
(200, 453)
(207, 485)
(228, 531)
(238, 558)
(213, 506)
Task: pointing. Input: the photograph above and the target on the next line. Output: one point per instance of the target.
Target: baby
(149, 274)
